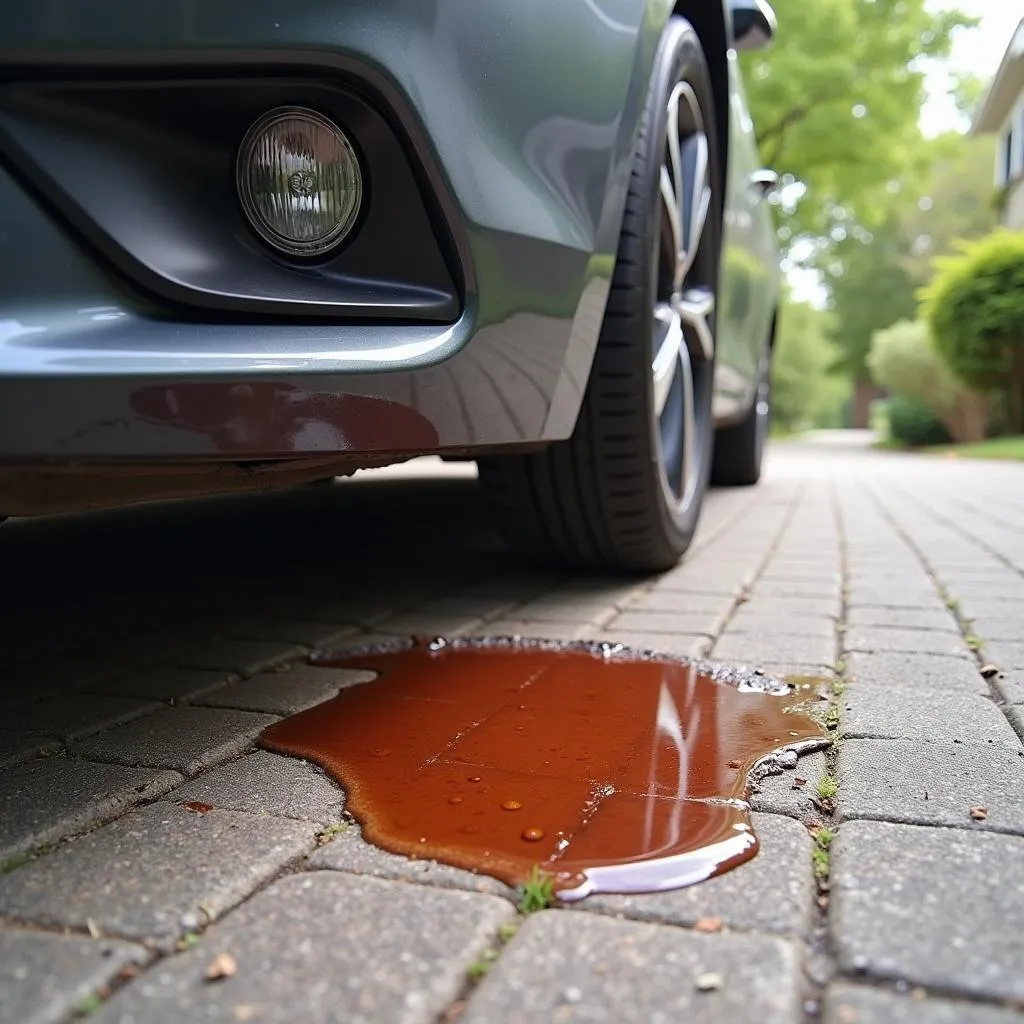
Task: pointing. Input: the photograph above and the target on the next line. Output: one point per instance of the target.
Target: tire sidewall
(680, 58)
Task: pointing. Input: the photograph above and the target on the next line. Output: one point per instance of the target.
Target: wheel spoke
(696, 203)
(669, 345)
(689, 449)
(695, 306)
(673, 214)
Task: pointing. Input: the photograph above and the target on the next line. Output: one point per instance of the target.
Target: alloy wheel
(683, 345)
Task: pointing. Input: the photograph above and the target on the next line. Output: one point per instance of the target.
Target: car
(248, 245)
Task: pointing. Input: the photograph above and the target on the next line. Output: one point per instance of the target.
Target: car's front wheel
(625, 491)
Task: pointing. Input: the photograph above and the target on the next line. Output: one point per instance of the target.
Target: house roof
(1004, 89)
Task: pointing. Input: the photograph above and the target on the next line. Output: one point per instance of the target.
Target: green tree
(903, 360)
(805, 392)
(954, 199)
(974, 307)
(835, 99)
(873, 275)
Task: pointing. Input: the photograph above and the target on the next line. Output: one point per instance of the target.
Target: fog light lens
(299, 181)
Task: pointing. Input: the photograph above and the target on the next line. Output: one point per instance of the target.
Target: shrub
(911, 422)
(974, 308)
(904, 361)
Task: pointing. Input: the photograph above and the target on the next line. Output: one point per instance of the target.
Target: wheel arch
(709, 22)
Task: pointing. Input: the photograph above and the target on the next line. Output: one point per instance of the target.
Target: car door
(748, 292)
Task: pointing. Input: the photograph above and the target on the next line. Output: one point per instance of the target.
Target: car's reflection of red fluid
(271, 418)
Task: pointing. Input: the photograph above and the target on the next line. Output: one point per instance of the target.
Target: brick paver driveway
(145, 650)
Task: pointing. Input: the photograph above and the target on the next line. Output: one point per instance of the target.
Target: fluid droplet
(511, 805)
(533, 835)
(455, 799)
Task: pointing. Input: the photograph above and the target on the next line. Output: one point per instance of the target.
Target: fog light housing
(299, 181)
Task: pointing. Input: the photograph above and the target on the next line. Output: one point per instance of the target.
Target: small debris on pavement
(979, 813)
(988, 671)
(223, 965)
(798, 783)
(734, 764)
(707, 925)
(92, 928)
(786, 758)
(197, 806)
(708, 982)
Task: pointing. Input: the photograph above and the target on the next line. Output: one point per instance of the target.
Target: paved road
(146, 649)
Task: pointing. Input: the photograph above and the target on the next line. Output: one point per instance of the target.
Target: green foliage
(536, 893)
(975, 311)
(836, 98)
(804, 391)
(869, 290)
(912, 423)
(873, 276)
(904, 361)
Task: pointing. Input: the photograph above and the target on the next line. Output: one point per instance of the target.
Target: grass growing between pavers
(536, 893)
(1005, 448)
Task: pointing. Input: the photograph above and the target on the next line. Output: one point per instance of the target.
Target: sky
(976, 50)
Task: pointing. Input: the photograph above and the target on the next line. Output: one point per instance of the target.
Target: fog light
(299, 182)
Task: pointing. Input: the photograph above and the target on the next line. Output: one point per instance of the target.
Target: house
(1002, 114)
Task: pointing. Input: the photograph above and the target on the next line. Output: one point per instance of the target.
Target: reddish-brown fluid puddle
(611, 772)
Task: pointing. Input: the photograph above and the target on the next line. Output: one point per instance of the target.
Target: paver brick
(286, 692)
(154, 874)
(244, 657)
(350, 852)
(926, 673)
(266, 783)
(710, 605)
(755, 648)
(869, 639)
(168, 685)
(778, 794)
(43, 977)
(76, 715)
(326, 947)
(933, 783)
(897, 888)
(537, 630)
(779, 874)
(693, 623)
(881, 711)
(758, 618)
(826, 590)
(16, 747)
(858, 1004)
(186, 739)
(570, 966)
(43, 801)
(1005, 654)
(686, 644)
(903, 618)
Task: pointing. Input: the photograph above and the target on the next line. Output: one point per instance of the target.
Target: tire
(624, 492)
(739, 449)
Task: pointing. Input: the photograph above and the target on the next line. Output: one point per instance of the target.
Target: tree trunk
(968, 420)
(1015, 389)
(864, 393)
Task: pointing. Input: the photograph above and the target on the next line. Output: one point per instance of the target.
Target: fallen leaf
(92, 928)
(798, 783)
(979, 813)
(988, 671)
(708, 982)
(734, 764)
(223, 965)
(128, 972)
(198, 806)
(708, 925)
